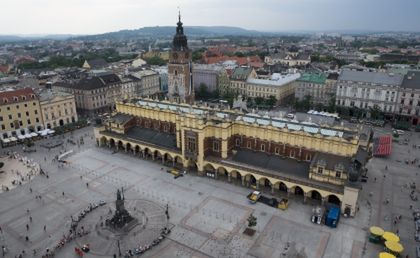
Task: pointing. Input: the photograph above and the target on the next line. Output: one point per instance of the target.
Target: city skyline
(95, 16)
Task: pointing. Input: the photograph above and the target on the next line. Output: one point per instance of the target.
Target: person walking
(27, 227)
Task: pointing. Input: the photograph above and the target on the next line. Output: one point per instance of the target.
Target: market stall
(376, 234)
(386, 255)
(394, 248)
(389, 236)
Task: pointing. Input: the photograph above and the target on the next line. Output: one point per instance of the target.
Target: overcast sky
(98, 16)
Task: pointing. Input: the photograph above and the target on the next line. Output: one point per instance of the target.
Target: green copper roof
(319, 78)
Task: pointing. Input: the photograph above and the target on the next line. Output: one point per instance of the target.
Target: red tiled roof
(16, 96)
(382, 146)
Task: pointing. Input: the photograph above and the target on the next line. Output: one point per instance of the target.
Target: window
(262, 147)
(29, 121)
(19, 115)
(10, 117)
(3, 127)
(37, 119)
(248, 144)
(12, 125)
(277, 150)
(26, 105)
(1, 118)
(308, 157)
(17, 106)
(216, 146)
(36, 112)
(320, 170)
(34, 103)
(237, 142)
(292, 153)
(27, 113)
(8, 108)
(191, 144)
(338, 174)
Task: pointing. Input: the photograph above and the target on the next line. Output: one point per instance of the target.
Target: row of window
(337, 173)
(19, 115)
(16, 99)
(17, 106)
(12, 125)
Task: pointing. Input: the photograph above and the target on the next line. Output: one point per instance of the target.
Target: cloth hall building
(281, 156)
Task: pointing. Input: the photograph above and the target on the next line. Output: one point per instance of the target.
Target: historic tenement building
(180, 84)
(315, 163)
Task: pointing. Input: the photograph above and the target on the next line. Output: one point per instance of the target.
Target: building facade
(320, 87)
(19, 112)
(289, 58)
(180, 82)
(239, 78)
(408, 101)
(93, 95)
(149, 83)
(280, 156)
(282, 87)
(57, 108)
(207, 74)
(367, 90)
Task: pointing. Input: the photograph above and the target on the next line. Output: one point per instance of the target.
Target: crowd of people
(142, 249)
(33, 168)
(73, 232)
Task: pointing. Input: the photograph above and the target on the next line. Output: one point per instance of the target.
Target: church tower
(180, 84)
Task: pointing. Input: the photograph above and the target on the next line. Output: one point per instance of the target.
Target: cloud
(97, 16)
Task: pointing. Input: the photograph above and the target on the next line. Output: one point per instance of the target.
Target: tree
(203, 92)
(307, 102)
(156, 60)
(331, 105)
(252, 221)
(271, 101)
(258, 101)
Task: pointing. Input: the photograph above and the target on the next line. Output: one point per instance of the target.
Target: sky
(99, 16)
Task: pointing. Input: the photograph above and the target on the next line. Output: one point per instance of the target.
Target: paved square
(208, 216)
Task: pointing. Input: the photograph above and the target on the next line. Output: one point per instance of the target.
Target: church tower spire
(180, 67)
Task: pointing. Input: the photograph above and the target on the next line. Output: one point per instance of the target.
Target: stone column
(243, 181)
(173, 163)
(163, 159)
(272, 188)
(323, 200)
(289, 190)
(229, 178)
(257, 184)
(143, 153)
(215, 174)
(305, 197)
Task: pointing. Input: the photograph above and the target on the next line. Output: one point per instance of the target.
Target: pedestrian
(27, 238)
(45, 227)
(30, 218)
(27, 211)
(30, 189)
(375, 179)
(34, 252)
(27, 227)
(87, 184)
(63, 193)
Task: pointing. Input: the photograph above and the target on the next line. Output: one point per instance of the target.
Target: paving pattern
(208, 216)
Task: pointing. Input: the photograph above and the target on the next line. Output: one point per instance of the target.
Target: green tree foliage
(252, 221)
(156, 60)
(271, 101)
(197, 55)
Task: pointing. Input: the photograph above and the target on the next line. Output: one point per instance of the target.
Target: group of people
(141, 249)
(20, 177)
(73, 231)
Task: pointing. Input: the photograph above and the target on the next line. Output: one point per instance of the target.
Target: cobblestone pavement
(208, 215)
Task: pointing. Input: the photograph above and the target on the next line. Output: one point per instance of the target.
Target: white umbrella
(6, 140)
(21, 137)
(13, 139)
(51, 131)
(34, 134)
(27, 136)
